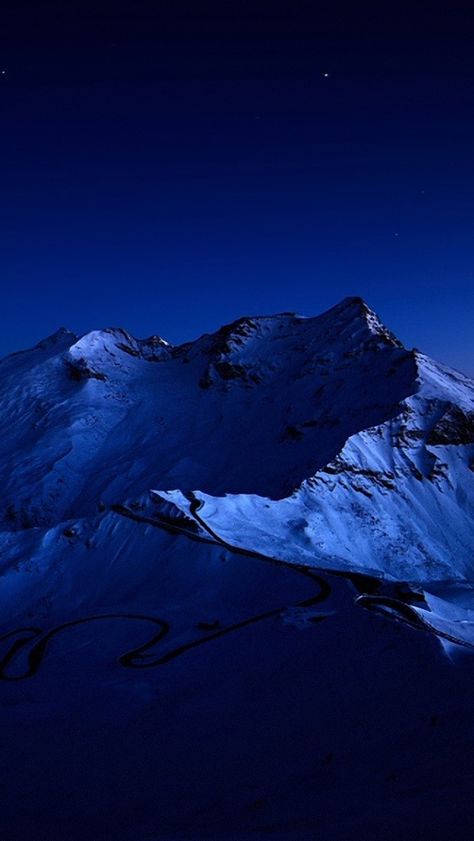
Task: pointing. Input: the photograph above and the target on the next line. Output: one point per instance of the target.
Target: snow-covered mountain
(316, 441)
(211, 502)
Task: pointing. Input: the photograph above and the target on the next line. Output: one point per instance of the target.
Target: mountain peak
(353, 312)
(57, 337)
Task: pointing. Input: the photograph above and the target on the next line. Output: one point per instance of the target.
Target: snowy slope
(397, 500)
(396, 503)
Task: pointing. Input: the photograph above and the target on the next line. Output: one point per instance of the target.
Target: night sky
(169, 166)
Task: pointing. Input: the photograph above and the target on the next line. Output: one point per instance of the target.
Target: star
(325, 75)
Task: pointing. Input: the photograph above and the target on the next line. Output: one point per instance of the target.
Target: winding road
(141, 657)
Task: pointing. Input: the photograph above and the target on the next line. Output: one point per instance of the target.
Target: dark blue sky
(170, 166)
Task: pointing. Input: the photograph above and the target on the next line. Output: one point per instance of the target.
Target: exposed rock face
(78, 370)
(455, 426)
